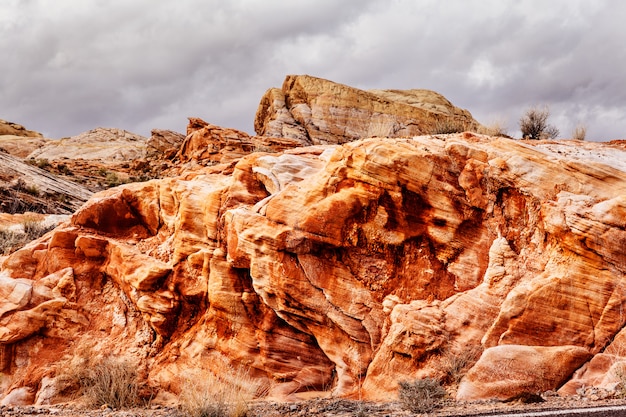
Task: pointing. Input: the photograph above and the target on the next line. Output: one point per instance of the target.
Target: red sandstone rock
(337, 267)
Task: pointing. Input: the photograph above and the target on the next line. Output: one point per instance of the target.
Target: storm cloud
(69, 66)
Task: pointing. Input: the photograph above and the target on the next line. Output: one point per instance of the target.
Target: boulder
(316, 111)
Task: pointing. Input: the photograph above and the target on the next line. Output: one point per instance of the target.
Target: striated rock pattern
(339, 267)
(24, 187)
(315, 111)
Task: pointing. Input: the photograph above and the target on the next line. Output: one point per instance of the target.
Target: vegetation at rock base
(101, 381)
(421, 395)
(210, 395)
(12, 240)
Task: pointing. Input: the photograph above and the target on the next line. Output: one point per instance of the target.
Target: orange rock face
(339, 267)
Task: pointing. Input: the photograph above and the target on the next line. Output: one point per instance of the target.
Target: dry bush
(446, 126)
(12, 240)
(456, 364)
(210, 395)
(100, 381)
(579, 133)
(619, 372)
(496, 128)
(421, 395)
(113, 382)
(534, 124)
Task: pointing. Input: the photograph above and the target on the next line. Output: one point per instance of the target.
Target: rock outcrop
(207, 144)
(18, 141)
(315, 111)
(338, 267)
(25, 187)
(105, 144)
(14, 129)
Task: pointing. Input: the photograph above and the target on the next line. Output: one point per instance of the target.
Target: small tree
(534, 124)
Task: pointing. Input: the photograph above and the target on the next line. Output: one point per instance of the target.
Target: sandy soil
(319, 408)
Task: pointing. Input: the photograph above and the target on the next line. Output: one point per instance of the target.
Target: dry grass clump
(210, 395)
(421, 395)
(98, 381)
(455, 364)
(12, 240)
(496, 128)
(579, 133)
(446, 126)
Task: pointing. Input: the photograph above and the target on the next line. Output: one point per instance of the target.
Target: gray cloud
(69, 66)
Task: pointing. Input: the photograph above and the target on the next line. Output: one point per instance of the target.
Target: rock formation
(316, 111)
(58, 176)
(208, 144)
(337, 267)
(24, 187)
(18, 141)
(14, 129)
(105, 144)
(164, 143)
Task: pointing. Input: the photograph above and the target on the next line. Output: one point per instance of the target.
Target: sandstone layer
(344, 268)
(25, 187)
(315, 111)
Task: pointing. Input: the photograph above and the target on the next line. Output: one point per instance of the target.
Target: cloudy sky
(68, 66)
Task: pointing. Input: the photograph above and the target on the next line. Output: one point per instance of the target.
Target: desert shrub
(32, 190)
(496, 128)
(39, 163)
(112, 382)
(446, 126)
(11, 240)
(112, 179)
(100, 381)
(421, 395)
(209, 395)
(43, 163)
(64, 169)
(34, 229)
(456, 364)
(534, 124)
(579, 133)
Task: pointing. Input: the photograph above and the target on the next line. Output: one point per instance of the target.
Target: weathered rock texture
(101, 143)
(339, 267)
(24, 187)
(207, 144)
(315, 111)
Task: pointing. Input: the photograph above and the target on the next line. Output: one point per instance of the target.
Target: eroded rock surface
(101, 143)
(315, 111)
(338, 267)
